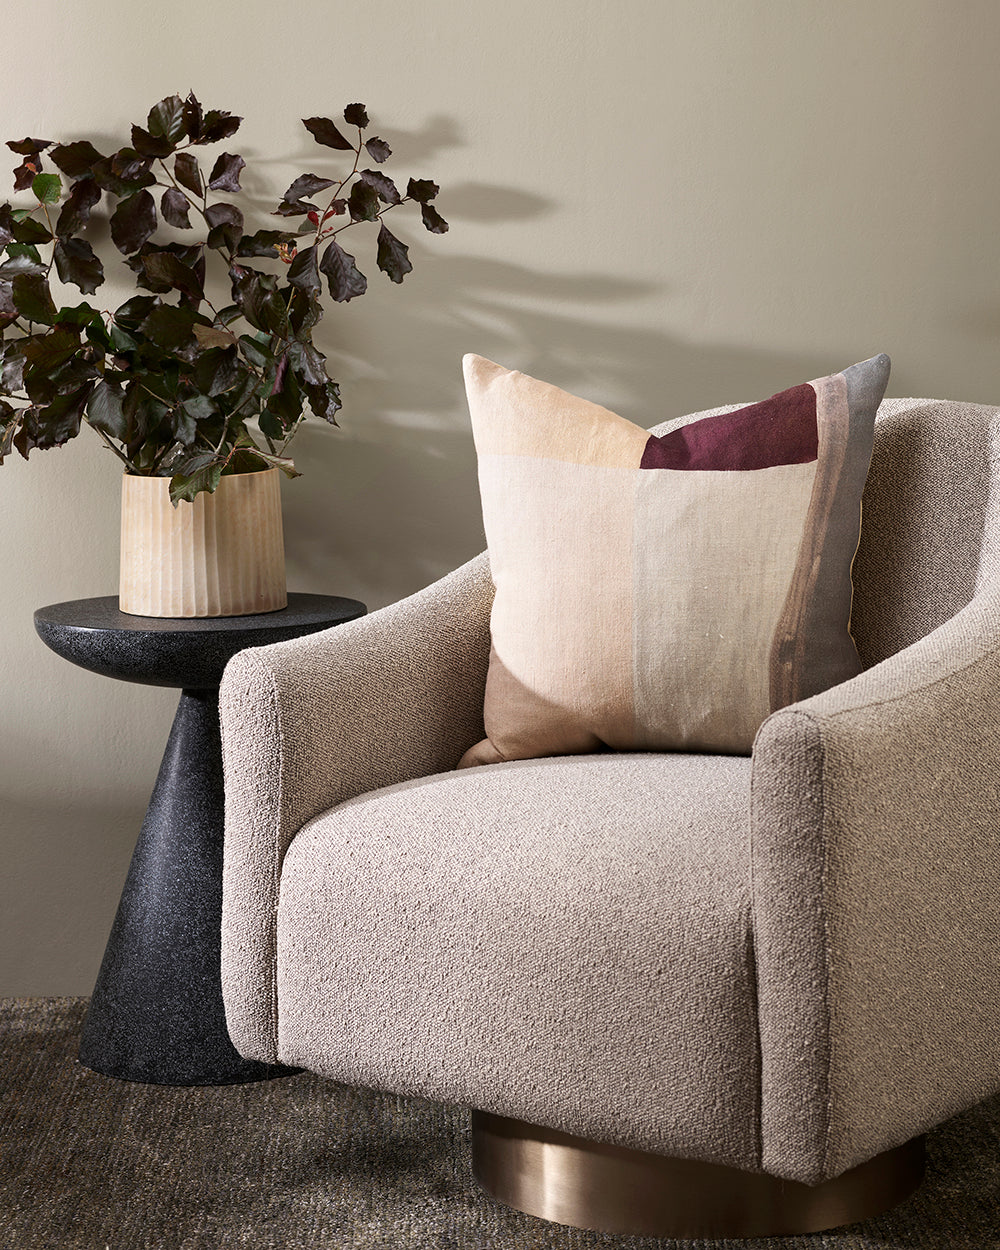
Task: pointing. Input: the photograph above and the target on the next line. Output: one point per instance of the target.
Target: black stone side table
(156, 1013)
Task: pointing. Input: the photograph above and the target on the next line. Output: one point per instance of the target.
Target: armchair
(685, 994)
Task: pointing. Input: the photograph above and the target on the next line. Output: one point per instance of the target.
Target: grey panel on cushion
(565, 941)
(309, 723)
(876, 864)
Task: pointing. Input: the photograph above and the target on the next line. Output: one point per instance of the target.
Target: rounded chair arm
(310, 723)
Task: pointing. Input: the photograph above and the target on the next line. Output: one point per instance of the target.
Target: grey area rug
(87, 1162)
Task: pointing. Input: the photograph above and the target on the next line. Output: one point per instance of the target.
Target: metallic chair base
(585, 1184)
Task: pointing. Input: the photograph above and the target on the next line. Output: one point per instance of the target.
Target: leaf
(76, 159)
(83, 314)
(46, 188)
(108, 180)
(75, 213)
(134, 311)
(12, 367)
(193, 117)
(166, 119)
(174, 208)
(29, 230)
(28, 147)
(201, 407)
(128, 165)
(205, 477)
(308, 363)
(25, 173)
(133, 221)
(33, 299)
(218, 125)
(262, 243)
(223, 214)
(363, 202)
(46, 353)
(225, 174)
(217, 370)
(306, 185)
(270, 426)
(192, 257)
(105, 410)
(324, 131)
(422, 189)
(151, 145)
(294, 208)
(256, 353)
(26, 261)
(8, 428)
(355, 115)
(324, 400)
(343, 276)
(226, 223)
(382, 184)
(213, 336)
(304, 271)
(187, 172)
(169, 327)
(432, 219)
(378, 150)
(7, 223)
(164, 268)
(393, 256)
(76, 262)
(8, 312)
(260, 303)
(284, 463)
(59, 421)
(183, 426)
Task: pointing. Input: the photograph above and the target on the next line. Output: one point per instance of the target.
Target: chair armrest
(309, 723)
(875, 812)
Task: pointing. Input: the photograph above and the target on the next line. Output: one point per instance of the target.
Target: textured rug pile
(88, 1163)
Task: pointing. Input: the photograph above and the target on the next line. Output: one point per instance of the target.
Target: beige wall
(661, 204)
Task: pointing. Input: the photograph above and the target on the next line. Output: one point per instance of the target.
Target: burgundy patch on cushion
(779, 430)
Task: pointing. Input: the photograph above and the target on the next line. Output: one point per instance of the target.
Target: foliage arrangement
(175, 386)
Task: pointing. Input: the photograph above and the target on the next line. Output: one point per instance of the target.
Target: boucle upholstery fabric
(875, 805)
(665, 591)
(876, 867)
(393, 695)
(930, 537)
(565, 941)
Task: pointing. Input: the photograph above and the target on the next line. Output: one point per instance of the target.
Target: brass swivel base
(585, 1184)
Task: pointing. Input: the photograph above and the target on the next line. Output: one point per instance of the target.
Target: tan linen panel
(563, 571)
(513, 414)
(713, 558)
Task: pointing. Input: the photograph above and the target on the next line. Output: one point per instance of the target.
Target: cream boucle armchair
(665, 983)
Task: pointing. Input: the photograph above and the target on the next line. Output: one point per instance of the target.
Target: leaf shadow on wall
(390, 501)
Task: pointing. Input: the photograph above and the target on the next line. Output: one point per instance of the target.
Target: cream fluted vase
(221, 555)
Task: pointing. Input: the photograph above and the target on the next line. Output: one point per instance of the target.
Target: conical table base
(156, 1013)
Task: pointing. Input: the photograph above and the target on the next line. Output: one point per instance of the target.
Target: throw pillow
(665, 592)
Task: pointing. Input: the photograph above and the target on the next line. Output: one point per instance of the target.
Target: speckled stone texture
(156, 1014)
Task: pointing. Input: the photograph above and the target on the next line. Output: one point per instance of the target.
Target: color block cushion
(668, 592)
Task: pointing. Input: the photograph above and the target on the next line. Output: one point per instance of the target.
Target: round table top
(189, 652)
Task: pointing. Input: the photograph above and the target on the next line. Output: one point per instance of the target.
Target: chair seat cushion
(562, 940)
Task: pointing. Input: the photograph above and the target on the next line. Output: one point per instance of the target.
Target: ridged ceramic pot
(222, 555)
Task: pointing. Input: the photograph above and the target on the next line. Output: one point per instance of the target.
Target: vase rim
(165, 477)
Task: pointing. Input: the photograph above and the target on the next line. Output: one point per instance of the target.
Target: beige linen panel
(513, 414)
(564, 578)
(713, 557)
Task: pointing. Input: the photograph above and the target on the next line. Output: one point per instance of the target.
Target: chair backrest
(930, 522)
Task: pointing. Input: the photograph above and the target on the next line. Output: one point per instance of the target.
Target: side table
(156, 1014)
